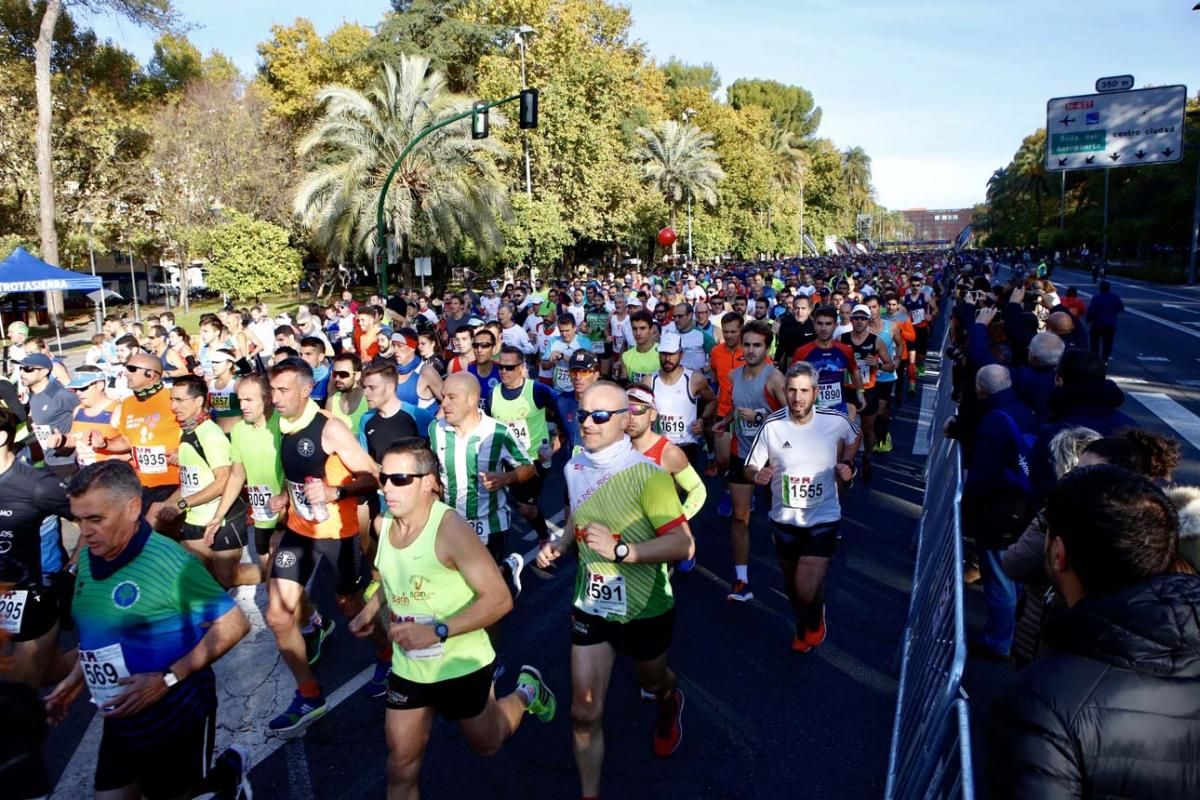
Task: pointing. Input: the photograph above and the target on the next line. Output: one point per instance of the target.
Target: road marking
(924, 436)
(1152, 358)
(1178, 418)
(1173, 325)
(1188, 383)
(1137, 286)
(1188, 308)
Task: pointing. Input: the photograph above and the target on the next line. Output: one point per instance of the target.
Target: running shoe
(740, 592)
(302, 711)
(515, 563)
(920, 370)
(378, 684)
(886, 445)
(800, 643)
(668, 733)
(230, 769)
(316, 638)
(687, 565)
(912, 388)
(544, 703)
(647, 697)
(725, 507)
(817, 637)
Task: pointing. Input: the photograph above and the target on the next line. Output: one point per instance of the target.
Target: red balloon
(667, 237)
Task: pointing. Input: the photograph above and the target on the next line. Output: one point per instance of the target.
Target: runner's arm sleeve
(689, 481)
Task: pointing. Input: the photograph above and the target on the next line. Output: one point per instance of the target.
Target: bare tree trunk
(45, 165)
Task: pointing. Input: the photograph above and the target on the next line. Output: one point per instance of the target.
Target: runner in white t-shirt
(805, 454)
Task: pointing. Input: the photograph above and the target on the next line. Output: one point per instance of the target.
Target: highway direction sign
(1115, 129)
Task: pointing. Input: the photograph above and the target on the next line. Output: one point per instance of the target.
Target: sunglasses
(31, 369)
(341, 373)
(136, 368)
(484, 345)
(638, 410)
(399, 479)
(508, 367)
(600, 417)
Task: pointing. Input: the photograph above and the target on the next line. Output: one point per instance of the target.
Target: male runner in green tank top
(442, 589)
(346, 402)
(628, 525)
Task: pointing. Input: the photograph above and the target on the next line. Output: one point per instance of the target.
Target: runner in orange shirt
(145, 427)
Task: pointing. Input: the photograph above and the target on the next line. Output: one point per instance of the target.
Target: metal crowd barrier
(930, 755)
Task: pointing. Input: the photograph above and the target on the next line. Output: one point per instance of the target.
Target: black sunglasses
(136, 368)
(31, 369)
(600, 417)
(400, 478)
(484, 345)
(508, 367)
(341, 373)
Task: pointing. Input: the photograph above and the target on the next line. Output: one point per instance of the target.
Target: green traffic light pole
(380, 232)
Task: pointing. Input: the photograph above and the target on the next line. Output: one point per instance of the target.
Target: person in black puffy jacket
(1115, 712)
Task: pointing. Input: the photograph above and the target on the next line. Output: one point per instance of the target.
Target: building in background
(930, 224)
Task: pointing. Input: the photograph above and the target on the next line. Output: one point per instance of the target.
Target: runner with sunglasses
(484, 369)
(222, 394)
(145, 427)
(528, 409)
(628, 525)
(442, 591)
(347, 402)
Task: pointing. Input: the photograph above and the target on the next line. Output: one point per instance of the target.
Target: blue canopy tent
(22, 272)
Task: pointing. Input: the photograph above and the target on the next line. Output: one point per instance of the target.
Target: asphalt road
(759, 722)
(1156, 361)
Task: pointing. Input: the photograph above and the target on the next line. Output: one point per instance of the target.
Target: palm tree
(678, 160)
(1030, 166)
(856, 173)
(997, 185)
(447, 190)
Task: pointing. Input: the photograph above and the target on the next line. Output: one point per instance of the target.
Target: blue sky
(938, 93)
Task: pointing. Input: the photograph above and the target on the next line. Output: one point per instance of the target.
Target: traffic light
(529, 109)
(479, 120)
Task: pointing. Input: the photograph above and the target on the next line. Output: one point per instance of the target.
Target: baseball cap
(18, 327)
(861, 309)
(634, 302)
(669, 343)
(38, 360)
(84, 377)
(546, 308)
(640, 394)
(386, 330)
(581, 359)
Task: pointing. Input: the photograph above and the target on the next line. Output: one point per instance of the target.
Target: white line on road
(1152, 358)
(1180, 420)
(1136, 286)
(1188, 308)
(1173, 325)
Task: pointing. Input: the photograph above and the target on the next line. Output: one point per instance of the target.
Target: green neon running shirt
(257, 450)
(634, 498)
(196, 471)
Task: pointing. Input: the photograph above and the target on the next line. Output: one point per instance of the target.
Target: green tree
(691, 76)
(447, 189)
(856, 173)
(296, 63)
(176, 62)
(445, 31)
(791, 107)
(1030, 168)
(250, 258)
(536, 235)
(679, 162)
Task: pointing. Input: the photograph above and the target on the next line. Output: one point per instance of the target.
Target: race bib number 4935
(151, 460)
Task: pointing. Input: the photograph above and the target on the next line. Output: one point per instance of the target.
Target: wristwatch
(170, 678)
(620, 552)
(442, 630)
(183, 504)
(339, 494)
(758, 417)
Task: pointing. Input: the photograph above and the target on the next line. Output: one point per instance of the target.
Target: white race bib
(864, 372)
(84, 453)
(598, 347)
(12, 609)
(480, 527)
(829, 394)
(300, 501)
(189, 480)
(424, 653)
(103, 670)
(618, 344)
(259, 496)
(918, 315)
(669, 425)
(605, 594)
(151, 460)
(43, 433)
(520, 432)
(803, 491)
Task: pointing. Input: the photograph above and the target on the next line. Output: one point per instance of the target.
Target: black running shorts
(230, 536)
(736, 473)
(642, 639)
(173, 765)
(792, 541)
(297, 557)
(454, 699)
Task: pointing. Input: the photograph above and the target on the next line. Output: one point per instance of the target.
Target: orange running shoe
(817, 637)
(668, 733)
(800, 644)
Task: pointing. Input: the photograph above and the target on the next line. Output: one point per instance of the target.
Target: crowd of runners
(398, 440)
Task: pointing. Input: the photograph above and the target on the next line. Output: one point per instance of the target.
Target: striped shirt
(487, 448)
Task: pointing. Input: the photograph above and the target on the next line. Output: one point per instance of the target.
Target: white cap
(861, 308)
(669, 343)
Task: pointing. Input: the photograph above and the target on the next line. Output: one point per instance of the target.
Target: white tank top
(676, 408)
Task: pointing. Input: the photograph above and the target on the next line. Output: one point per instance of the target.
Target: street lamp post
(137, 311)
(101, 310)
(687, 114)
(522, 34)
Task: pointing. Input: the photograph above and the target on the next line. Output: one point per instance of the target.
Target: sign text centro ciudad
(1115, 129)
